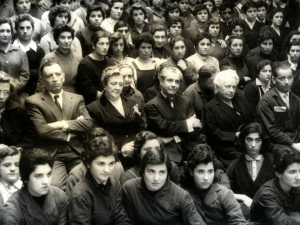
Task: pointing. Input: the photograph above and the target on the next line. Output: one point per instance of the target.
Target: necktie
(286, 100)
(171, 100)
(56, 102)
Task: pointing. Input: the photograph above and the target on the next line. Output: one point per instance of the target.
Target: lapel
(165, 107)
(211, 196)
(50, 104)
(67, 107)
(110, 109)
(280, 100)
(33, 209)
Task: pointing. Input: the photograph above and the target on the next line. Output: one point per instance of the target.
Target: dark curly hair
(145, 38)
(30, 159)
(60, 29)
(99, 146)
(284, 157)
(93, 8)
(57, 10)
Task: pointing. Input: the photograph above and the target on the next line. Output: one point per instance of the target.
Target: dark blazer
(122, 128)
(240, 179)
(281, 125)
(252, 35)
(42, 110)
(221, 123)
(271, 206)
(219, 206)
(17, 128)
(170, 205)
(91, 204)
(21, 209)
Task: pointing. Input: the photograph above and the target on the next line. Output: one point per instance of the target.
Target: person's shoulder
(153, 101)
(35, 98)
(55, 191)
(132, 184)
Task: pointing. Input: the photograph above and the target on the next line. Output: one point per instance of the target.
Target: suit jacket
(281, 124)
(122, 128)
(21, 209)
(42, 110)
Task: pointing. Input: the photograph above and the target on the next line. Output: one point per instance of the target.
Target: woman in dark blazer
(114, 112)
(255, 90)
(243, 181)
(224, 115)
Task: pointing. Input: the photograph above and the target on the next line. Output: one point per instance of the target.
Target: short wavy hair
(7, 151)
(94, 8)
(108, 73)
(57, 10)
(60, 29)
(145, 38)
(225, 74)
(24, 17)
(284, 157)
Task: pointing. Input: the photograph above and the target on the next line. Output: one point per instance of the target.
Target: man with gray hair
(279, 109)
(171, 116)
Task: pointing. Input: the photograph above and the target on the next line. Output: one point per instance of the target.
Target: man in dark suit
(172, 117)
(60, 118)
(279, 109)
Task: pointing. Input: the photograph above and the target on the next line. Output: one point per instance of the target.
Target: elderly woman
(235, 45)
(277, 201)
(37, 202)
(118, 49)
(119, 115)
(213, 201)
(59, 15)
(64, 36)
(144, 65)
(252, 169)
(97, 198)
(255, 90)
(224, 115)
(94, 17)
(114, 15)
(90, 68)
(9, 172)
(145, 141)
(154, 199)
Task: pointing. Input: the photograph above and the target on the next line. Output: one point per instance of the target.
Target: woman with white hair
(224, 115)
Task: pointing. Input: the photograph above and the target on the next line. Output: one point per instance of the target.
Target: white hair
(224, 75)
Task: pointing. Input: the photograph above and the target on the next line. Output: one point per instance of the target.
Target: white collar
(258, 83)
(258, 158)
(293, 65)
(282, 95)
(59, 94)
(32, 45)
(18, 184)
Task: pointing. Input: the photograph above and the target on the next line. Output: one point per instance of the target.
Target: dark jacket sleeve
(129, 206)
(120, 214)
(252, 95)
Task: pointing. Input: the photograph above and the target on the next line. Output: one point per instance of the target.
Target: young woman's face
(145, 50)
(183, 5)
(102, 46)
(87, 3)
(226, 15)
(203, 175)
(277, 19)
(149, 145)
(138, 17)
(124, 31)
(265, 74)
(61, 19)
(25, 30)
(155, 176)
(266, 46)
(23, 6)
(101, 168)
(253, 144)
(66, 3)
(295, 37)
(237, 30)
(116, 10)
(178, 51)
(159, 38)
(174, 13)
(218, 3)
(251, 14)
(95, 19)
(40, 180)
(209, 6)
(290, 177)
(157, 3)
(118, 47)
(175, 29)
(214, 30)
(202, 16)
(65, 40)
(5, 34)
(204, 46)
(294, 53)
(9, 169)
(236, 47)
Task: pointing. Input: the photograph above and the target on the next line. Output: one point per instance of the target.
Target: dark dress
(221, 124)
(89, 77)
(241, 181)
(145, 78)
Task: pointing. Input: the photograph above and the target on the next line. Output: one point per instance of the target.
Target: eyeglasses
(123, 31)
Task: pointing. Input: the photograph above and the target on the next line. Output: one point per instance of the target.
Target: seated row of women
(148, 195)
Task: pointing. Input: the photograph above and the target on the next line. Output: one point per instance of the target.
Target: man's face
(170, 84)
(284, 80)
(251, 14)
(53, 78)
(4, 93)
(160, 38)
(23, 6)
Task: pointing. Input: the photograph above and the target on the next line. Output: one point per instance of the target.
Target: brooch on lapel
(136, 110)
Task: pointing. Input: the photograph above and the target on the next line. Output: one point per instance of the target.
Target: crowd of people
(149, 112)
